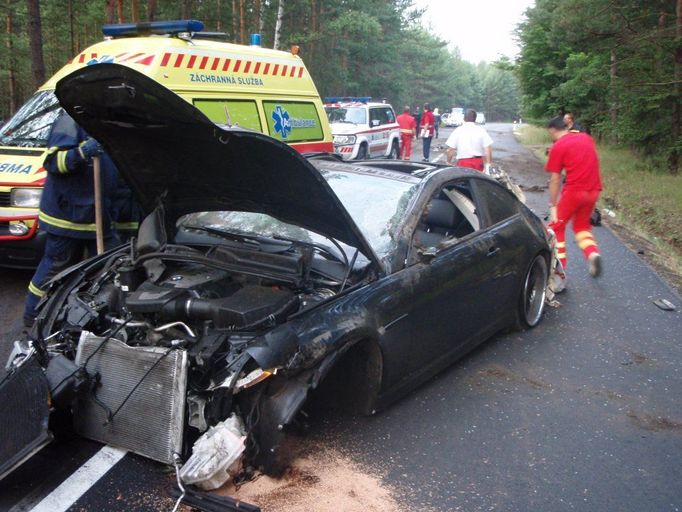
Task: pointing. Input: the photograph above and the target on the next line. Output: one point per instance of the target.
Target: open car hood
(167, 149)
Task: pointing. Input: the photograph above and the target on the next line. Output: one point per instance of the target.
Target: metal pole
(99, 228)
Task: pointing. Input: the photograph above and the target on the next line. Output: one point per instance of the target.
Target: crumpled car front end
(183, 342)
(169, 354)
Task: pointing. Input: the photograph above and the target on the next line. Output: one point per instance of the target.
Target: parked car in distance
(455, 117)
(480, 118)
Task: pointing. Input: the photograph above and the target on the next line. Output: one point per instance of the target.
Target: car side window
(242, 113)
(389, 116)
(498, 202)
(449, 216)
(374, 117)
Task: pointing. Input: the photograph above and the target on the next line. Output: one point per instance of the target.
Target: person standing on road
(470, 144)
(408, 131)
(436, 120)
(67, 205)
(427, 131)
(418, 117)
(572, 126)
(575, 153)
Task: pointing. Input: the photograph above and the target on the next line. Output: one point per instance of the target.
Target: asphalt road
(581, 413)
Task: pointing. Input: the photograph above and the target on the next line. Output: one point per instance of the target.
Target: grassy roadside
(646, 202)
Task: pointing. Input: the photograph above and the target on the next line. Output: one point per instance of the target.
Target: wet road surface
(581, 413)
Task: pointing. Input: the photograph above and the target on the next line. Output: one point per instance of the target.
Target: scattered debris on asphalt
(216, 455)
(322, 480)
(665, 305)
(209, 502)
(534, 188)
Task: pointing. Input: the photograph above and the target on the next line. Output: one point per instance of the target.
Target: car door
(502, 220)
(374, 136)
(388, 123)
(451, 303)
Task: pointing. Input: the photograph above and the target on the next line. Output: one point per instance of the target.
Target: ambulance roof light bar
(347, 99)
(152, 27)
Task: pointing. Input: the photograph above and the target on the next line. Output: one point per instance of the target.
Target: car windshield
(30, 126)
(355, 115)
(377, 205)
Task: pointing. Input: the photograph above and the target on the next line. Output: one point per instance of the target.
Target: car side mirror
(375, 122)
(427, 254)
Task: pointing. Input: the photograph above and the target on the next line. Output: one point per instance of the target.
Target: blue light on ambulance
(153, 27)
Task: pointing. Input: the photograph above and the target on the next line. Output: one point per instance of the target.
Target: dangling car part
(259, 280)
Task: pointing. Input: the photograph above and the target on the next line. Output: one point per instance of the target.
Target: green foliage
(351, 47)
(610, 62)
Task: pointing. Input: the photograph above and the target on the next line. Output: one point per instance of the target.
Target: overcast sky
(481, 29)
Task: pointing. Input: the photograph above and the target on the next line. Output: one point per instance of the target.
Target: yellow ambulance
(261, 89)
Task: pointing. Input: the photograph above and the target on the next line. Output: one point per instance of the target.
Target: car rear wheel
(532, 300)
(362, 152)
(395, 151)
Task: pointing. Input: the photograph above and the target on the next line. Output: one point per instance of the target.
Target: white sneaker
(595, 264)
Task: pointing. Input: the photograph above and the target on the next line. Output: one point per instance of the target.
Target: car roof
(405, 171)
(356, 104)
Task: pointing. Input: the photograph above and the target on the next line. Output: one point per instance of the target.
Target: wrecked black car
(258, 279)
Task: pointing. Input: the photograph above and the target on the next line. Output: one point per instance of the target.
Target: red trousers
(575, 205)
(406, 146)
(471, 163)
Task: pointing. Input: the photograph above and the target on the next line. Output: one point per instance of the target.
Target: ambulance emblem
(282, 121)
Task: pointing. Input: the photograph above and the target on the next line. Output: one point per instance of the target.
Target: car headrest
(442, 214)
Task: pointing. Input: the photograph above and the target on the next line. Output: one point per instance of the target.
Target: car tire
(531, 303)
(395, 151)
(362, 152)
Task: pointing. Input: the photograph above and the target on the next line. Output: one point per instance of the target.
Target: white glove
(552, 214)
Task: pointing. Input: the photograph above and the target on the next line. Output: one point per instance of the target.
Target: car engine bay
(146, 347)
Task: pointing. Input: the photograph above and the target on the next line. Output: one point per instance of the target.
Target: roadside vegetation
(645, 198)
(377, 48)
(617, 65)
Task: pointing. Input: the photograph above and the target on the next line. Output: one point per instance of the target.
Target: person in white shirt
(470, 144)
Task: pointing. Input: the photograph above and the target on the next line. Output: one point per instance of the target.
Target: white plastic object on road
(215, 455)
(610, 213)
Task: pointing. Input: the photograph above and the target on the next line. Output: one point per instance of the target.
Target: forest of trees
(373, 48)
(616, 63)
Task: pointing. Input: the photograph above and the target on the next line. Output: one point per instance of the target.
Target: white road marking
(64, 496)
(436, 160)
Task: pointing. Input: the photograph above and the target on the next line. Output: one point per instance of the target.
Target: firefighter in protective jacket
(67, 206)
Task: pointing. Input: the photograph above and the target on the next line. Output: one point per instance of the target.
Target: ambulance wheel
(362, 152)
(532, 299)
(395, 151)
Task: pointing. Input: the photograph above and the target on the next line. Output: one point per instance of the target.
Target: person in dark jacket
(418, 118)
(67, 206)
(571, 123)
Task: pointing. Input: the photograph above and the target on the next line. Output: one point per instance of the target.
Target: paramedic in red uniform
(408, 131)
(470, 143)
(575, 153)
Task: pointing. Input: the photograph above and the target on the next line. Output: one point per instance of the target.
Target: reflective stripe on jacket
(67, 206)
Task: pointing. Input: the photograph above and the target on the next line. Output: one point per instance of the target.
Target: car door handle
(493, 251)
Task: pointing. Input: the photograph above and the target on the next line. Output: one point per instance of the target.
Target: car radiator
(24, 415)
(152, 379)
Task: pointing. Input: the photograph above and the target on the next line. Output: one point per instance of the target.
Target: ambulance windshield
(30, 126)
(354, 115)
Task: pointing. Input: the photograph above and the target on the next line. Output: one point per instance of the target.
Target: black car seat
(441, 222)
